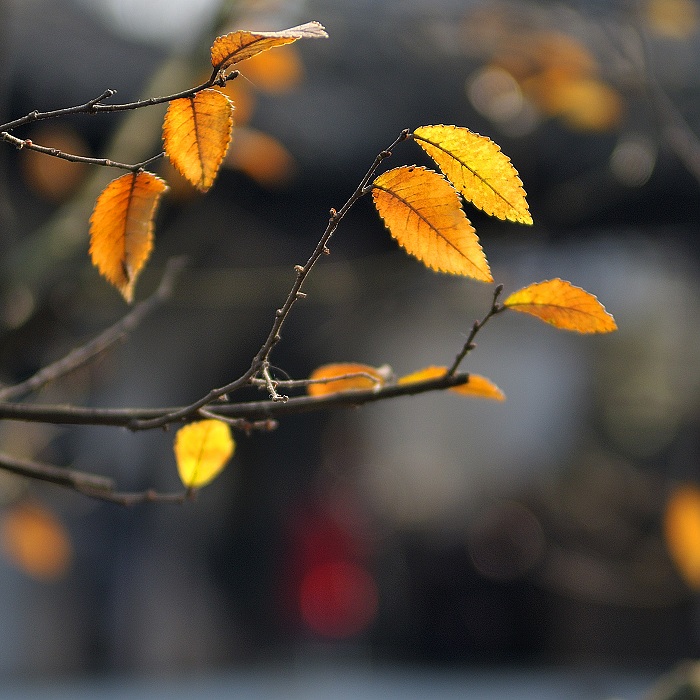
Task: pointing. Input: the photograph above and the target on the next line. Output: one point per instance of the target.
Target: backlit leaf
(351, 376)
(261, 157)
(478, 169)
(202, 450)
(35, 541)
(563, 305)
(682, 532)
(477, 385)
(236, 46)
(424, 214)
(196, 135)
(121, 228)
(273, 71)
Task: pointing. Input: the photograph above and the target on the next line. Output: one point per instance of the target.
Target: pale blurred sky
(155, 20)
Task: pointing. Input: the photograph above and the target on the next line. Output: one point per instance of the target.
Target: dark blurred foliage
(428, 530)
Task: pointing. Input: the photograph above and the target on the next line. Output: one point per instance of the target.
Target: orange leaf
(478, 169)
(477, 385)
(350, 376)
(273, 71)
(121, 228)
(682, 532)
(423, 213)
(563, 305)
(261, 157)
(196, 135)
(35, 541)
(235, 47)
(202, 450)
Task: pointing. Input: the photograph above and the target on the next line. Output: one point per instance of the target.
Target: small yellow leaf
(562, 305)
(365, 377)
(261, 157)
(121, 228)
(423, 213)
(196, 135)
(477, 385)
(682, 532)
(236, 46)
(35, 541)
(478, 169)
(202, 450)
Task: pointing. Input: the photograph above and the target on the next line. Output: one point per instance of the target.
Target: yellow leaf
(423, 213)
(236, 46)
(121, 228)
(202, 450)
(477, 385)
(674, 19)
(196, 135)
(35, 541)
(563, 305)
(478, 169)
(261, 157)
(366, 377)
(682, 532)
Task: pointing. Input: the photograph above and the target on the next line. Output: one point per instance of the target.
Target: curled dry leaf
(562, 305)
(344, 376)
(477, 385)
(202, 450)
(196, 135)
(423, 213)
(236, 46)
(682, 532)
(478, 169)
(121, 228)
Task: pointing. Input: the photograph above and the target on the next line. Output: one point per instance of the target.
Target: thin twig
(114, 334)
(95, 105)
(468, 346)
(93, 485)
(28, 144)
(141, 418)
(55, 475)
(281, 314)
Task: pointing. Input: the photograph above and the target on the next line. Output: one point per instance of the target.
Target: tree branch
(29, 145)
(281, 314)
(114, 334)
(251, 411)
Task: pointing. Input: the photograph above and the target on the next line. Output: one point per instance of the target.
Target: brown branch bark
(144, 418)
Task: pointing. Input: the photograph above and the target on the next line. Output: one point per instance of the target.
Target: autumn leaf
(350, 376)
(202, 450)
(682, 532)
(35, 541)
(423, 213)
(121, 228)
(274, 71)
(476, 386)
(562, 305)
(261, 157)
(196, 135)
(236, 46)
(478, 169)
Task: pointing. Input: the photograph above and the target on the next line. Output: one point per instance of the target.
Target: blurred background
(558, 530)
